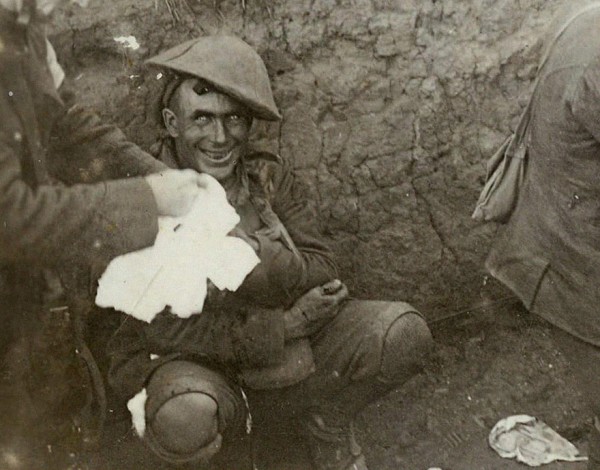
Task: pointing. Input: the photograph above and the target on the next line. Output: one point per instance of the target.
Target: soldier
(549, 252)
(289, 337)
(72, 192)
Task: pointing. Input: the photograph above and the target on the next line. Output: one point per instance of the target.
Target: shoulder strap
(517, 146)
(562, 29)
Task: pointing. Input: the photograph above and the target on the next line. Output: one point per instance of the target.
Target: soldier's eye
(234, 117)
(201, 118)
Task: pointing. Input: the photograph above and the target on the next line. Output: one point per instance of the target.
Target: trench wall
(390, 110)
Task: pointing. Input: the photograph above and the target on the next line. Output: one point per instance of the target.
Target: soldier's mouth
(217, 157)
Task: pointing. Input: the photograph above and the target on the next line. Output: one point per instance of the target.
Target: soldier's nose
(219, 133)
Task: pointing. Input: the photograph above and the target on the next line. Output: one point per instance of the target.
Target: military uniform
(239, 340)
(549, 251)
(49, 220)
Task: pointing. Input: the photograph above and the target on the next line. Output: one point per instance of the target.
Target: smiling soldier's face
(210, 129)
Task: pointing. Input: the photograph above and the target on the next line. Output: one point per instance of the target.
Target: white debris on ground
(187, 252)
(531, 441)
(137, 408)
(128, 42)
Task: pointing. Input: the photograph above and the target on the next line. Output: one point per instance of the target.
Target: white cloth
(174, 271)
(57, 72)
(137, 408)
(531, 441)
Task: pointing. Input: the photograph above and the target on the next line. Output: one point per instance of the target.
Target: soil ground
(488, 365)
(450, 74)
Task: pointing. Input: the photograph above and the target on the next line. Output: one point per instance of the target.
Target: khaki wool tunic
(549, 251)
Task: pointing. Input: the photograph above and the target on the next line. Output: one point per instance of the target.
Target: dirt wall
(390, 109)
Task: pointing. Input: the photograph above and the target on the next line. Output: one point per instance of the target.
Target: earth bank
(391, 108)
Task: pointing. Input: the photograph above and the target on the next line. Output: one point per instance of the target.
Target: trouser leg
(191, 409)
(584, 359)
(370, 348)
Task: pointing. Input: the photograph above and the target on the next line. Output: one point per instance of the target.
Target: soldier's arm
(85, 150)
(284, 273)
(47, 224)
(254, 339)
(86, 223)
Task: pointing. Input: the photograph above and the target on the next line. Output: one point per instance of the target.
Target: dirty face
(210, 129)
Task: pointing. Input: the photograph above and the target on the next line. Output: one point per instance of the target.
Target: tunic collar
(238, 191)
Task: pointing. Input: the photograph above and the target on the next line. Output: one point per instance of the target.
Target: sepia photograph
(299, 234)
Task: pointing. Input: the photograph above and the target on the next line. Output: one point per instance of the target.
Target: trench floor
(488, 365)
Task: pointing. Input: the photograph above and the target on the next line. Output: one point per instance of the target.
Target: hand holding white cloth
(173, 272)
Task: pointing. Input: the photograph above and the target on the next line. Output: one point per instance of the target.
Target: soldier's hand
(314, 309)
(175, 190)
(322, 301)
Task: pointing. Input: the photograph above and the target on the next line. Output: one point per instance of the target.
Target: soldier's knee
(406, 347)
(185, 423)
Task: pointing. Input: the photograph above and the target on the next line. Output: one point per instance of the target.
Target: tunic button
(97, 244)
(18, 137)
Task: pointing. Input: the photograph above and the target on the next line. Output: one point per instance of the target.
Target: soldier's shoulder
(267, 163)
(272, 172)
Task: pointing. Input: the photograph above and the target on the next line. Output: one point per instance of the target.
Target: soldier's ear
(170, 122)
